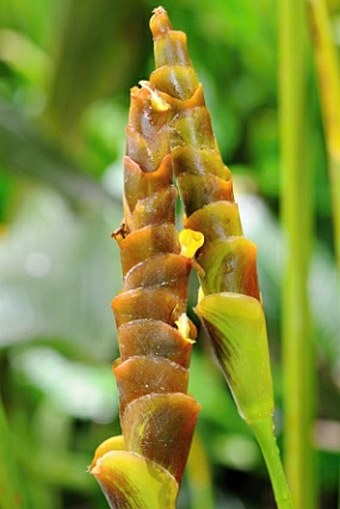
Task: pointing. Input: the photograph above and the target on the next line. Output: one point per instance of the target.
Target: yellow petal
(157, 102)
(183, 326)
(190, 241)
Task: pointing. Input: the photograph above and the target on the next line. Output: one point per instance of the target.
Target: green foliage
(65, 71)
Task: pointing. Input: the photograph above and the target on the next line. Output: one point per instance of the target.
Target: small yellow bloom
(157, 102)
(190, 241)
(183, 326)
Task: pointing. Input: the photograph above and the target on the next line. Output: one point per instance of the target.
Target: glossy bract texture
(157, 416)
(234, 319)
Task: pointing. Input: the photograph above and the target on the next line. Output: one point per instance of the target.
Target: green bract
(237, 328)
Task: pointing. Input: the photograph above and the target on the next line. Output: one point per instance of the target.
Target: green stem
(264, 432)
(334, 162)
(328, 74)
(296, 200)
(10, 496)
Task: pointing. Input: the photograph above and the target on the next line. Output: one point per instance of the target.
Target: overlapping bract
(229, 299)
(157, 415)
(227, 257)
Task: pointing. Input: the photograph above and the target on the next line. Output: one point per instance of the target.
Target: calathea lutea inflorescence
(169, 133)
(143, 468)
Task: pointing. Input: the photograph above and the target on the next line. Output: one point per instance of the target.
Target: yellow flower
(183, 326)
(157, 102)
(190, 241)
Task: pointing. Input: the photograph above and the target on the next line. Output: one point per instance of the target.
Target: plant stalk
(264, 432)
(10, 493)
(296, 203)
(328, 75)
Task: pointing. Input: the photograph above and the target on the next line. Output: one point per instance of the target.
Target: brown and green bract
(157, 416)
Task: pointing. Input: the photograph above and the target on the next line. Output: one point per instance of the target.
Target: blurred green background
(66, 68)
